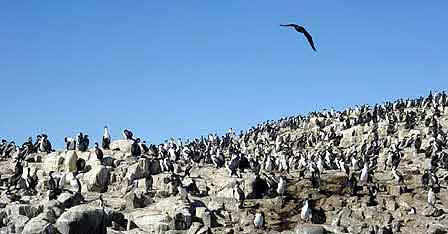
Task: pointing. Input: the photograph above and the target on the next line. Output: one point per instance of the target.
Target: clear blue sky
(187, 68)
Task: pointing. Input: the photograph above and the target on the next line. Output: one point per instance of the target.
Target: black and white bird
(31, 180)
(102, 204)
(239, 195)
(431, 198)
(143, 147)
(259, 220)
(363, 178)
(75, 183)
(306, 212)
(399, 178)
(188, 169)
(53, 187)
(281, 187)
(301, 29)
(70, 143)
(106, 138)
(45, 145)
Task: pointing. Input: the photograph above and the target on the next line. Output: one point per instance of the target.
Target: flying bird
(301, 29)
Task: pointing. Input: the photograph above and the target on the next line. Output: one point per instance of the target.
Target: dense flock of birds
(269, 149)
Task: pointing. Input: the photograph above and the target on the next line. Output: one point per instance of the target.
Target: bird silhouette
(301, 29)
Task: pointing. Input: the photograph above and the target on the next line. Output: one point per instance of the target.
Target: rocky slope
(139, 196)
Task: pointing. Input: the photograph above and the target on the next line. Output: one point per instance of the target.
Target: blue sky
(187, 68)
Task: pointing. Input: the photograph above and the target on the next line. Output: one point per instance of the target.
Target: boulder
(437, 229)
(23, 209)
(137, 200)
(85, 219)
(39, 225)
(150, 220)
(334, 183)
(53, 162)
(69, 200)
(17, 223)
(218, 203)
(204, 230)
(180, 212)
(207, 219)
(195, 227)
(138, 170)
(159, 184)
(255, 187)
(52, 210)
(309, 229)
(144, 184)
(97, 179)
(84, 155)
(122, 145)
(182, 218)
(226, 193)
(70, 158)
(432, 212)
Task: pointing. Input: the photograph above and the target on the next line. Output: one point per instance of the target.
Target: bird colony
(369, 169)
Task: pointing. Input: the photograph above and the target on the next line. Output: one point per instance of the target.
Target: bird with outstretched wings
(301, 29)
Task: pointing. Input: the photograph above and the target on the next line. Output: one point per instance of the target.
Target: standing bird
(364, 174)
(106, 138)
(70, 143)
(306, 212)
(75, 183)
(45, 145)
(135, 148)
(399, 178)
(99, 153)
(281, 188)
(128, 135)
(259, 220)
(301, 29)
(148, 183)
(239, 195)
(431, 198)
(53, 187)
(102, 204)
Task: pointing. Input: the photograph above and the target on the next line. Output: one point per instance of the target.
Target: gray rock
(86, 219)
(122, 145)
(309, 229)
(194, 228)
(207, 219)
(69, 200)
(97, 179)
(17, 223)
(437, 229)
(38, 225)
(137, 200)
(138, 170)
(150, 221)
(432, 212)
(182, 219)
(23, 209)
(52, 210)
(204, 230)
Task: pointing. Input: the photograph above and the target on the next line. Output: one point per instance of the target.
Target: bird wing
(310, 39)
(288, 25)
